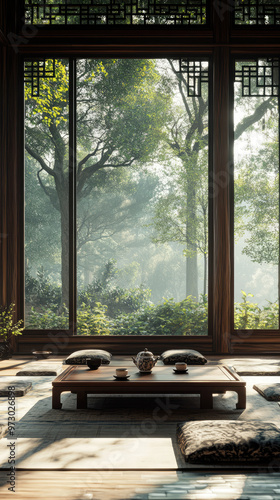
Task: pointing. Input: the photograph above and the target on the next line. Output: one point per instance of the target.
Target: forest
(142, 191)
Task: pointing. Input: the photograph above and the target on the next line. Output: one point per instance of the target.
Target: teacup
(121, 372)
(180, 366)
(93, 363)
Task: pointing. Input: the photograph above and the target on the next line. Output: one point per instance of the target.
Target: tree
(106, 216)
(128, 111)
(173, 222)
(41, 224)
(257, 190)
(182, 214)
(122, 107)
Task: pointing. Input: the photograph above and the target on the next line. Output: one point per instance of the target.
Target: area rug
(112, 426)
(129, 408)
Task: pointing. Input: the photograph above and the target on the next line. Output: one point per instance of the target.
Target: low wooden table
(204, 380)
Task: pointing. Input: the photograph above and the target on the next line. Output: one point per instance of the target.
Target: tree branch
(85, 159)
(180, 81)
(250, 120)
(41, 183)
(40, 160)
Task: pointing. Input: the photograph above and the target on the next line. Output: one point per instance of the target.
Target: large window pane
(46, 195)
(142, 197)
(256, 194)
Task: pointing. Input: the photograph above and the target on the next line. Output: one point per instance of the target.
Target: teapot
(145, 361)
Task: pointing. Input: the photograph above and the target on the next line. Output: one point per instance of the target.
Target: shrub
(187, 317)
(117, 300)
(41, 291)
(184, 318)
(93, 321)
(250, 316)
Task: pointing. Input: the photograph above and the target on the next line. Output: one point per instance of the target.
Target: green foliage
(51, 107)
(256, 186)
(170, 318)
(93, 321)
(48, 318)
(122, 110)
(187, 317)
(8, 327)
(40, 291)
(184, 318)
(116, 299)
(250, 316)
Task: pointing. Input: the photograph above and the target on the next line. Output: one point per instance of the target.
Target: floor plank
(125, 485)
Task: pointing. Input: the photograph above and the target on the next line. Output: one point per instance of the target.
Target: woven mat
(20, 387)
(271, 392)
(41, 369)
(261, 369)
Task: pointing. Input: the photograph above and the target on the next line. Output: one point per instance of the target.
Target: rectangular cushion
(210, 441)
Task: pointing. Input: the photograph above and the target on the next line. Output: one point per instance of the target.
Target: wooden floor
(136, 485)
(124, 485)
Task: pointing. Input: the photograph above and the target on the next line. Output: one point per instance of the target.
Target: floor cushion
(79, 357)
(271, 392)
(233, 441)
(20, 387)
(40, 369)
(261, 369)
(189, 356)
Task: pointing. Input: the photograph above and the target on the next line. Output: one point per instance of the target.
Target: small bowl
(93, 364)
(41, 354)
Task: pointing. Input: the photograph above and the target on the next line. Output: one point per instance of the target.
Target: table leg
(81, 400)
(241, 402)
(56, 404)
(206, 400)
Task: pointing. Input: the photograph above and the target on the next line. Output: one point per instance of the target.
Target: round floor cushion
(208, 441)
(79, 357)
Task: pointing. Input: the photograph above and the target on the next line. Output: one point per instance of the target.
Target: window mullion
(72, 198)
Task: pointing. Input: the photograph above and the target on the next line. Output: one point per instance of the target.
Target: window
(256, 193)
(47, 194)
(141, 191)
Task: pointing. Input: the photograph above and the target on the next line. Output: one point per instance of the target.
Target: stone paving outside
(198, 486)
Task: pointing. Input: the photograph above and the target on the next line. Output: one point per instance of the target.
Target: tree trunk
(205, 274)
(192, 277)
(62, 192)
(191, 234)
